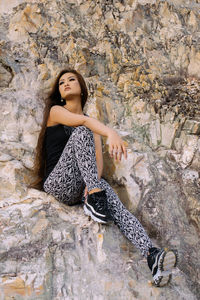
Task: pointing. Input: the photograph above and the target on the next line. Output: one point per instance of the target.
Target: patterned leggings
(76, 169)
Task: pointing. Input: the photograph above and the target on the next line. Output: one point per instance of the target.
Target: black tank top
(56, 138)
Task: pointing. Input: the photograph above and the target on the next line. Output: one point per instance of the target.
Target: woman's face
(69, 86)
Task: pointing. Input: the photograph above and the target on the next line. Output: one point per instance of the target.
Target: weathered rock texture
(141, 61)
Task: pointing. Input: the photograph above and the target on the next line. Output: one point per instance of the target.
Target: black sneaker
(96, 207)
(161, 262)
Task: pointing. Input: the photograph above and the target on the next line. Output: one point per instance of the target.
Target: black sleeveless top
(56, 138)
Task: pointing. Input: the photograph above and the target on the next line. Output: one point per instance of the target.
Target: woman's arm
(60, 115)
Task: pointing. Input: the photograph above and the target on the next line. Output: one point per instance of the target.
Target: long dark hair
(54, 98)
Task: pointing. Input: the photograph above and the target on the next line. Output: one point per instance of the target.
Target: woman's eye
(61, 83)
(72, 79)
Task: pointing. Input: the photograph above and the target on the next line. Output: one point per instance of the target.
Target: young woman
(69, 165)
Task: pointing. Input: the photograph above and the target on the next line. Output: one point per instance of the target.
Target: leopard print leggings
(76, 169)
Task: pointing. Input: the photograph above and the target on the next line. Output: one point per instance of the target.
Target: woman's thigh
(65, 182)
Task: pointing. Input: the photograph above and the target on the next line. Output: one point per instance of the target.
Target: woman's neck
(74, 107)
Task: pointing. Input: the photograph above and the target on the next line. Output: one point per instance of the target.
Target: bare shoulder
(56, 109)
(60, 115)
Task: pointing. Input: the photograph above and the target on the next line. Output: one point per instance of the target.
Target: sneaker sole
(170, 259)
(167, 262)
(164, 280)
(89, 213)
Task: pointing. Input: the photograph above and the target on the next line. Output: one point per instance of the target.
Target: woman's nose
(66, 84)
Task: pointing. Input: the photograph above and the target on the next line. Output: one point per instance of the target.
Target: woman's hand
(116, 145)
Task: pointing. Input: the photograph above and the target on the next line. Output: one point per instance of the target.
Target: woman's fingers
(116, 154)
(117, 151)
(117, 147)
(120, 155)
(124, 151)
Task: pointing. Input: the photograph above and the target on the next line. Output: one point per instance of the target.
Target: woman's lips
(68, 88)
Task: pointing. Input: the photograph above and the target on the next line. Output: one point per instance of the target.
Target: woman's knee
(82, 131)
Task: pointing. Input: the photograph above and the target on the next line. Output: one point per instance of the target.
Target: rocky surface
(141, 63)
(51, 251)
